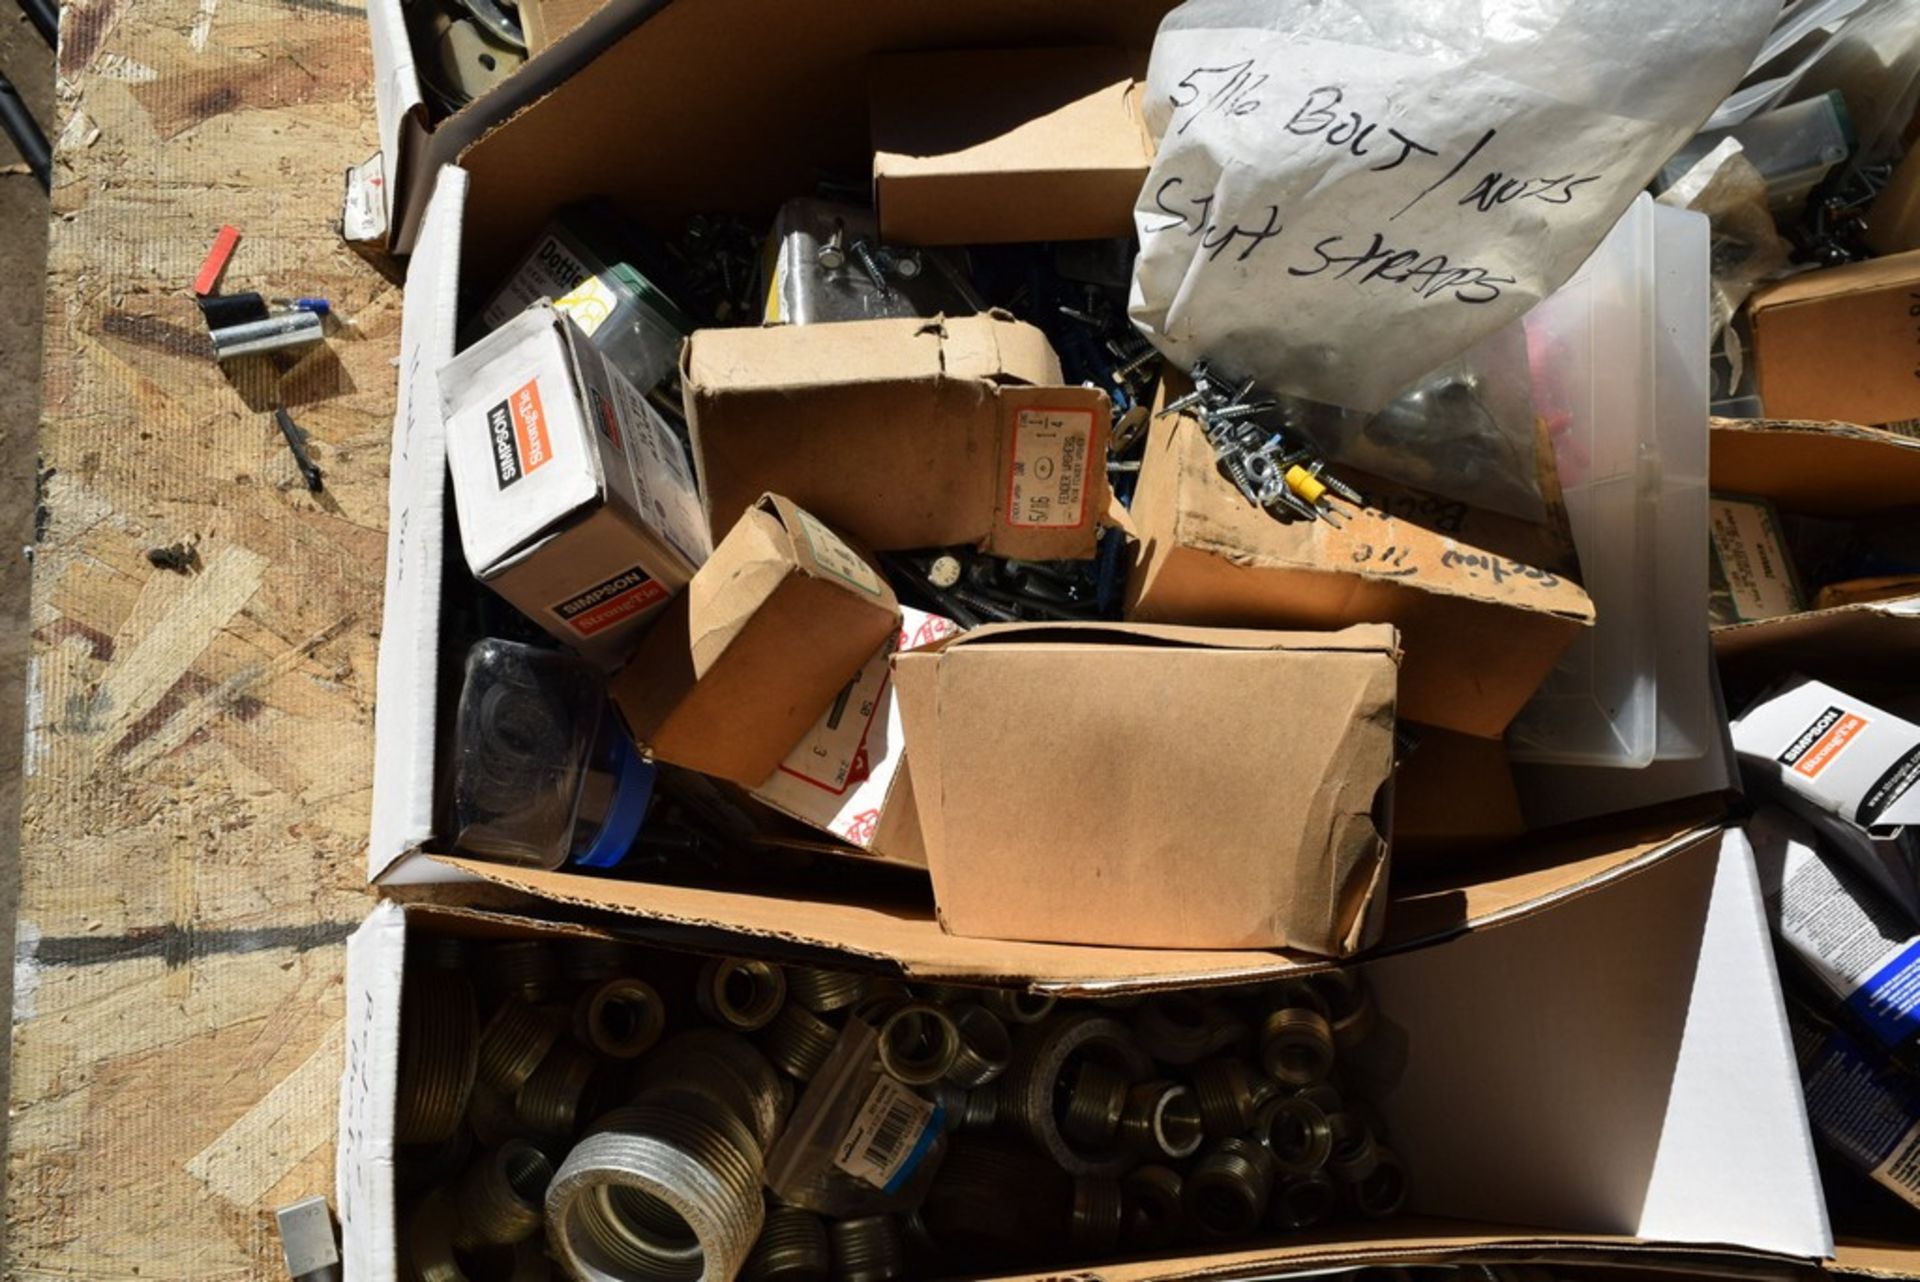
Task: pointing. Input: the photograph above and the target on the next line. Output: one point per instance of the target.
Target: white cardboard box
(1585, 1078)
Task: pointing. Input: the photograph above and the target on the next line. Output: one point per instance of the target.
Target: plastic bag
(1350, 193)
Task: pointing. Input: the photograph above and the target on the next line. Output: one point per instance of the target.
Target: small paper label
(1752, 559)
(888, 1136)
(832, 554)
(589, 303)
(1048, 487)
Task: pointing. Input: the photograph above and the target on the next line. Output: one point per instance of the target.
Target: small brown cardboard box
(772, 627)
(1161, 787)
(903, 433)
(1481, 629)
(987, 146)
(1842, 343)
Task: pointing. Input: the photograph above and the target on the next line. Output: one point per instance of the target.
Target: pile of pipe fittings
(586, 1107)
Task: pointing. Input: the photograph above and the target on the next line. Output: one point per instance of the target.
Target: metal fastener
(792, 1247)
(1227, 1190)
(832, 253)
(982, 1109)
(590, 960)
(726, 1068)
(1355, 1151)
(986, 1048)
(438, 1056)
(621, 1018)
(918, 1041)
(525, 968)
(1296, 1133)
(502, 1197)
(564, 1093)
(824, 991)
(1162, 1119)
(1179, 1029)
(864, 255)
(740, 993)
(1094, 1105)
(1224, 1090)
(1296, 1046)
(799, 1041)
(515, 1040)
(1040, 1061)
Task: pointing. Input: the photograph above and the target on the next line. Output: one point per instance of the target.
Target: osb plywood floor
(198, 748)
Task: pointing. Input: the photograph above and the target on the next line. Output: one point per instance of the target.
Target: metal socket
(1155, 1213)
(1382, 1191)
(918, 1041)
(1180, 1029)
(1296, 1133)
(1094, 1105)
(438, 1057)
(515, 1040)
(1093, 1225)
(1227, 1190)
(868, 1249)
(667, 1189)
(799, 1041)
(621, 1018)
(741, 993)
(1224, 1089)
(1296, 1046)
(824, 991)
(986, 1048)
(524, 968)
(1041, 1060)
(502, 1197)
(1303, 1202)
(792, 1247)
(1162, 1120)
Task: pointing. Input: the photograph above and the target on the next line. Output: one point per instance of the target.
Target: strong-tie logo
(518, 426)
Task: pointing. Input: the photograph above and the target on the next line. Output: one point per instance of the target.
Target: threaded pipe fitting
(491, 1118)
(669, 1192)
(1303, 1202)
(1094, 1105)
(523, 968)
(1299, 991)
(1296, 1133)
(592, 960)
(1093, 1227)
(728, 1069)
(1350, 1008)
(438, 1052)
(1026, 1093)
(502, 1196)
(982, 1109)
(1224, 1090)
(799, 1041)
(1227, 1190)
(918, 1042)
(986, 1048)
(867, 1249)
(1162, 1120)
(621, 1018)
(1181, 1029)
(824, 991)
(1382, 1191)
(1017, 1006)
(562, 1096)
(1155, 1212)
(430, 1240)
(741, 993)
(1296, 1046)
(1355, 1152)
(1324, 1096)
(515, 1040)
(792, 1247)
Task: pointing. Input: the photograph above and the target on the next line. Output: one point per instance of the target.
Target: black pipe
(20, 126)
(45, 20)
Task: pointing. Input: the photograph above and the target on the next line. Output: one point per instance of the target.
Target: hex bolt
(824, 991)
(832, 253)
(1162, 1120)
(918, 1042)
(515, 1040)
(740, 993)
(502, 1197)
(1227, 1190)
(1296, 1133)
(1224, 1090)
(986, 1048)
(792, 1247)
(525, 968)
(906, 263)
(1134, 366)
(1093, 1225)
(621, 1018)
(799, 1041)
(1094, 1105)
(438, 1057)
(1303, 1202)
(1155, 1213)
(1383, 1190)
(868, 1249)
(1296, 1046)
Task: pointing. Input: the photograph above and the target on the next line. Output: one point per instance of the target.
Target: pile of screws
(1273, 471)
(621, 1105)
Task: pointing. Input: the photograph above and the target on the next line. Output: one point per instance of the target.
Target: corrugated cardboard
(1453, 792)
(1840, 343)
(904, 433)
(988, 146)
(847, 775)
(574, 496)
(1614, 1051)
(1481, 629)
(770, 630)
(1155, 786)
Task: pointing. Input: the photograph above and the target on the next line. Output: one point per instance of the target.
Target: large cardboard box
(1567, 1084)
(1481, 621)
(575, 500)
(905, 433)
(985, 146)
(1155, 786)
(772, 627)
(1840, 343)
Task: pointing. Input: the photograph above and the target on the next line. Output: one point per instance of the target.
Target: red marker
(216, 261)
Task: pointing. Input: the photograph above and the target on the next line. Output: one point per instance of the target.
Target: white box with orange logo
(576, 501)
(1845, 757)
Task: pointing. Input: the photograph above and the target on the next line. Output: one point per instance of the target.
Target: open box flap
(1867, 1258)
(901, 934)
(1820, 469)
(1364, 638)
(363, 1169)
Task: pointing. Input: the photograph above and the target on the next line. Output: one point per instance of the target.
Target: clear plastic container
(1619, 363)
(1793, 147)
